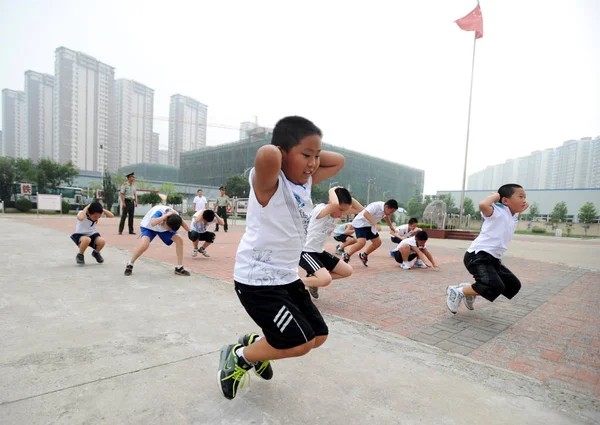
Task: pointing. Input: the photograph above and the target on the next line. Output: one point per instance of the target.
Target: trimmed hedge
(24, 205)
(537, 229)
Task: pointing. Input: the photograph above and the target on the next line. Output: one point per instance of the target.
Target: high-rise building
(83, 110)
(39, 119)
(134, 110)
(163, 157)
(574, 164)
(187, 126)
(1, 144)
(245, 127)
(14, 143)
(154, 148)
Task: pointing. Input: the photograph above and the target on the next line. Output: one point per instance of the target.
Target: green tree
(110, 189)
(238, 186)
(51, 174)
(319, 195)
(451, 207)
(175, 199)
(167, 189)
(559, 213)
(152, 198)
(7, 178)
(534, 212)
(25, 170)
(469, 208)
(415, 207)
(143, 185)
(587, 214)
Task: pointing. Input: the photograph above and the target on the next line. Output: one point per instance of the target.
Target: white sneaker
(405, 265)
(468, 299)
(339, 250)
(203, 252)
(453, 298)
(195, 252)
(419, 264)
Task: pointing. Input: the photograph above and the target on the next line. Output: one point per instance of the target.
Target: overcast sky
(387, 78)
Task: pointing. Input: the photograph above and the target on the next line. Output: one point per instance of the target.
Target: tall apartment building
(1, 144)
(134, 109)
(39, 119)
(154, 148)
(245, 128)
(83, 110)
(574, 164)
(14, 142)
(163, 157)
(187, 126)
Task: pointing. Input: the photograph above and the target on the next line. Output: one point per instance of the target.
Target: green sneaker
(262, 369)
(232, 371)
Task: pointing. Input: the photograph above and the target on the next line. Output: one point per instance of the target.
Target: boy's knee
(303, 349)
(325, 280)
(320, 340)
(376, 241)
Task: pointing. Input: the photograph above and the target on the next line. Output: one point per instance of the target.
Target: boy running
(164, 222)
(411, 248)
(343, 234)
(198, 231)
(483, 259)
(320, 265)
(365, 226)
(85, 231)
(266, 267)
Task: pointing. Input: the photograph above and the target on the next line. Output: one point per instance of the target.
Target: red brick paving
(557, 343)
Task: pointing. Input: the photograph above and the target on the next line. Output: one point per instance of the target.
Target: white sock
(459, 290)
(258, 338)
(179, 266)
(129, 263)
(406, 263)
(240, 353)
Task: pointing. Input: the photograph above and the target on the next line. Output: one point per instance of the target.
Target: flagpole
(464, 182)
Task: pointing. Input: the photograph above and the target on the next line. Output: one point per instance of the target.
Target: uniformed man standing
(128, 203)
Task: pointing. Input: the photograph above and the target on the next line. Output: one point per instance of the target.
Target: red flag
(472, 22)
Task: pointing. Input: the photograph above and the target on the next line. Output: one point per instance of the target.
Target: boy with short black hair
(199, 231)
(343, 234)
(500, 212)
(411, 248)
(405, 231)
(320, 265)
(365, 226)
(266, 267)
(85, 231)
(164, 222)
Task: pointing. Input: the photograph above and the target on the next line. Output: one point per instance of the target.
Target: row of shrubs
(25, 205)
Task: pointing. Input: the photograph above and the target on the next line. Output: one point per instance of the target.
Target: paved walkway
(550, 332)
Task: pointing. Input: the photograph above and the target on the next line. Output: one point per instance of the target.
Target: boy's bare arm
(389, 223)
(161, 219)
(486, 205)
(355, 208)
(267, 166)
(333, 199)
(330, 164)
(430, 257)
(369, 218)
(81, 214)
(185, 226)
(108, 213)
(220, 220)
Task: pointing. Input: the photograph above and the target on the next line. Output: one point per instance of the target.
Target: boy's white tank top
(270, 249)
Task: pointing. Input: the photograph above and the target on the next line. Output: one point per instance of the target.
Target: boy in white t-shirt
(320, 265)
(198, 230)
(343, 234)
(405, 231)
(266, 266)
(414, 247)
(365, 225)
(164, 222)
(500, 212)
(199, 201)
(86, 234)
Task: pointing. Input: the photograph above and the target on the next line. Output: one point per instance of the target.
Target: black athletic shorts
(366, 233)
(285, 313)
(204, 236)
(399, 259)
(342, 238)
(313, 261)
(76, 237)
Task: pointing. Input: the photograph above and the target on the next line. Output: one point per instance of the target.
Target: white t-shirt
(404, 232)
(270, 249)
(412, 242)
(200, 226)
(199, 203)
(319, 230)
(155, 212)
(496, 232)
(340, 230)
(377, 212)
(86, 226)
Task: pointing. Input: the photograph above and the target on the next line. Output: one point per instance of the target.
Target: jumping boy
(343, 234)
(320, 265)
(405, 231)
(198, 231)
(86, 234)
(164, 222)
(365, 226)
(266, 267)
(411, 248)
(483, 259)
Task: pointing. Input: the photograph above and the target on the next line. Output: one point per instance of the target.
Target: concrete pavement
(88, 345)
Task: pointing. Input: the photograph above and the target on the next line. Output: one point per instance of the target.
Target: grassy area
(564, 234)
